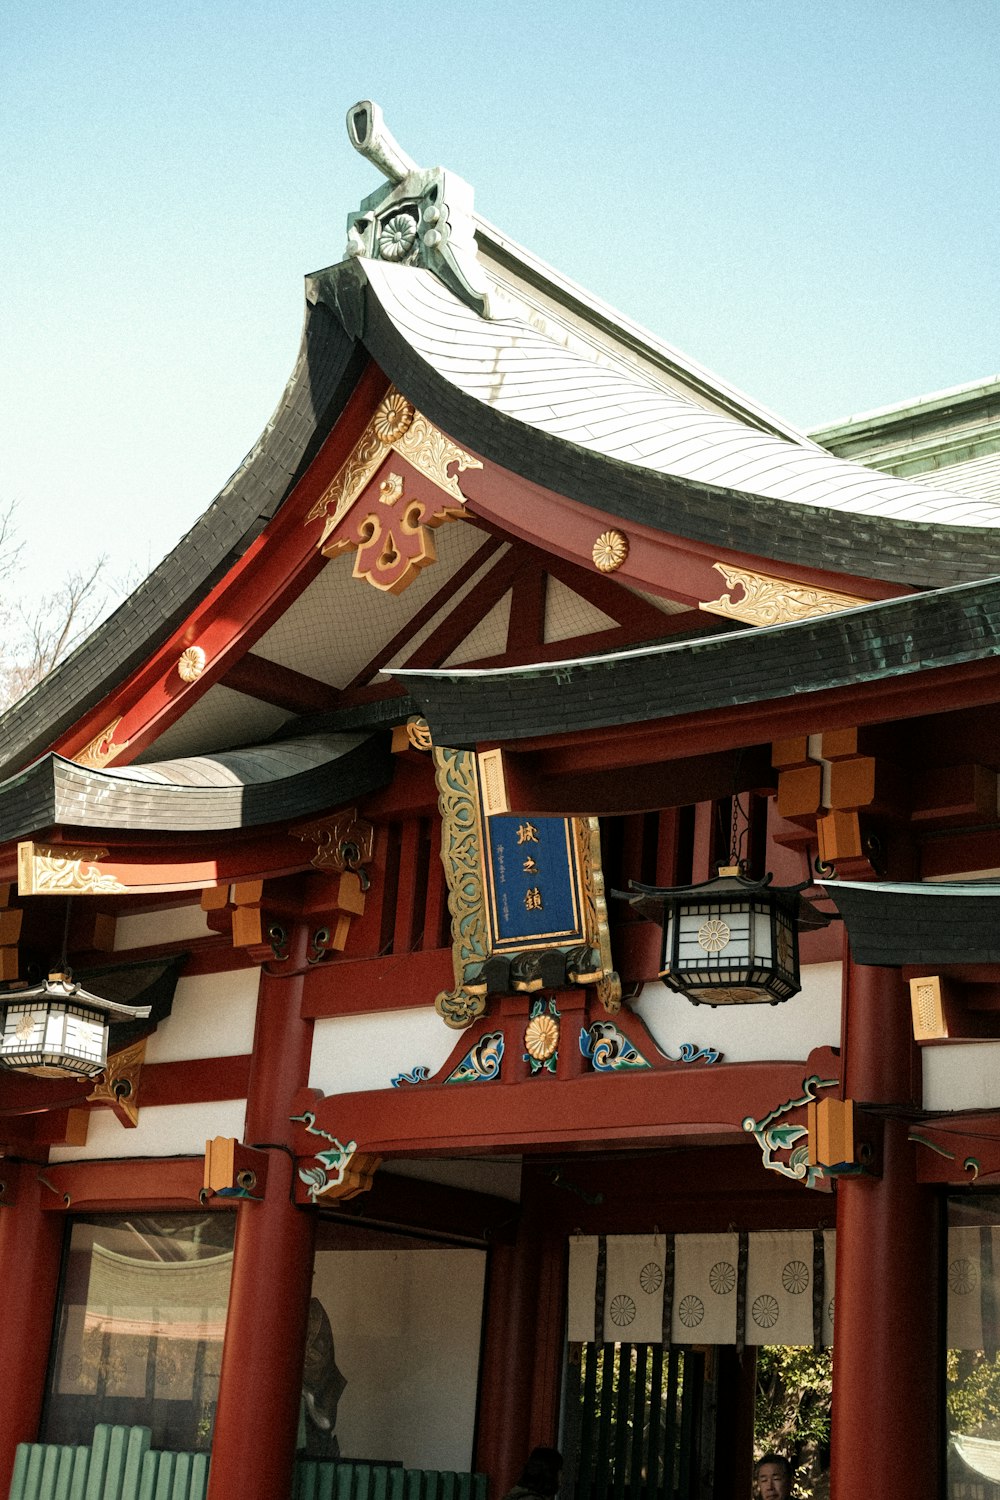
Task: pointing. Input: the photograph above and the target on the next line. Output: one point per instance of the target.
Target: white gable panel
(163, 1130)
(354, 1053)
(749, 1033)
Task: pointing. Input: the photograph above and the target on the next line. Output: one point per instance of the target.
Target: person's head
(543, 1471)
(773, 1475)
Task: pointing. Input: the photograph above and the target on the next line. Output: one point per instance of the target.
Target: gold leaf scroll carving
(595, 912)
(59, 870)
(462, 857)
(393, 541)
(342, 842)
(766, 600)
(119, 1084)
(102, 749)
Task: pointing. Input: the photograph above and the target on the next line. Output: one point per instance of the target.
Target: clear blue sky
(801, 194)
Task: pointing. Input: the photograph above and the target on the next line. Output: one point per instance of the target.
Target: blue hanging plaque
(533, 882)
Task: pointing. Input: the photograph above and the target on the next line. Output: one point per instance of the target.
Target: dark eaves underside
(874, 643)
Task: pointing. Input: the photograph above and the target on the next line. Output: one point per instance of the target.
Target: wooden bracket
(11, 918)
(844, 1141)
(240, 906)
(233, 1170)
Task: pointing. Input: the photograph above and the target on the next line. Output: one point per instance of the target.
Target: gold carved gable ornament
(390, 532)
(762, 599)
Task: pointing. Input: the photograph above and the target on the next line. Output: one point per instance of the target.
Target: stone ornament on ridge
(610, 551)
(397, 237)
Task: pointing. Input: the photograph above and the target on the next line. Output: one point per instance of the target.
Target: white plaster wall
(175, 924)
(213, 1015)
(163, 1130)
(749, 1033)
(352, 1053)
(961, 1075)
(406, 1328)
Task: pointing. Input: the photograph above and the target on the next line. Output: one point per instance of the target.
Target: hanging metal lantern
(731, 940)
(57, 1029)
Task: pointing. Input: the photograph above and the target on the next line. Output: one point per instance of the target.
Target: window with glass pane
(139, 1330)
(973, 1347)
(392, 1357)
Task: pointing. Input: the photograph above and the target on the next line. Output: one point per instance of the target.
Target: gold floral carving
(462, 856)
(59, 870)
(595, 910)
(394, 427)
(101, 749)
(343, 842)
(392, 418)
(119, 1084)
(428, 450)
(394, 541)
(191, 664)
(773, 601)
(391, 489)
(541, 1037)
(418, 733)
(610, 550)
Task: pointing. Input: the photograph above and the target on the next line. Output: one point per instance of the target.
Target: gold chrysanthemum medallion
(610, 551)
(191, 664)
(392, 418)
(541, 1037)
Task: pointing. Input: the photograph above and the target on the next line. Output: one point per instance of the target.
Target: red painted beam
(272, 683)
(569, 529)
(136, 1183)
(601, 1110)
(391, 981)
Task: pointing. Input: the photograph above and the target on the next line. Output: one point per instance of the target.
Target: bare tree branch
(36, 635)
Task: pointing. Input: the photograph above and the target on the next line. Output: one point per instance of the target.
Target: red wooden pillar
(524, 1342)
(887, 1355)
(260, 1385)
(30, 1256)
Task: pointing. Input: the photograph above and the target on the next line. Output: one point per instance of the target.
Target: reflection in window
(140, 1327)
(392, 1359)
(973, 1347)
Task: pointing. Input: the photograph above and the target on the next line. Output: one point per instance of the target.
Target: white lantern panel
(45, 1037)
(762, 935)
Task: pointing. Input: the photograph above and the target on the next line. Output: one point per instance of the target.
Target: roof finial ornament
(423, 218)
(377, 144)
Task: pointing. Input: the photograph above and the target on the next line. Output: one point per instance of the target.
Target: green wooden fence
(121, 1465)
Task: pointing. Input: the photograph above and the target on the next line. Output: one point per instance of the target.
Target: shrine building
(502, 926)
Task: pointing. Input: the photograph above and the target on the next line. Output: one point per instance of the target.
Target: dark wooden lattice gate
(633, 1425)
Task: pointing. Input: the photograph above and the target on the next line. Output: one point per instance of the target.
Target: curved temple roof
(506, 363)
(524, 370)
(231, 790)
